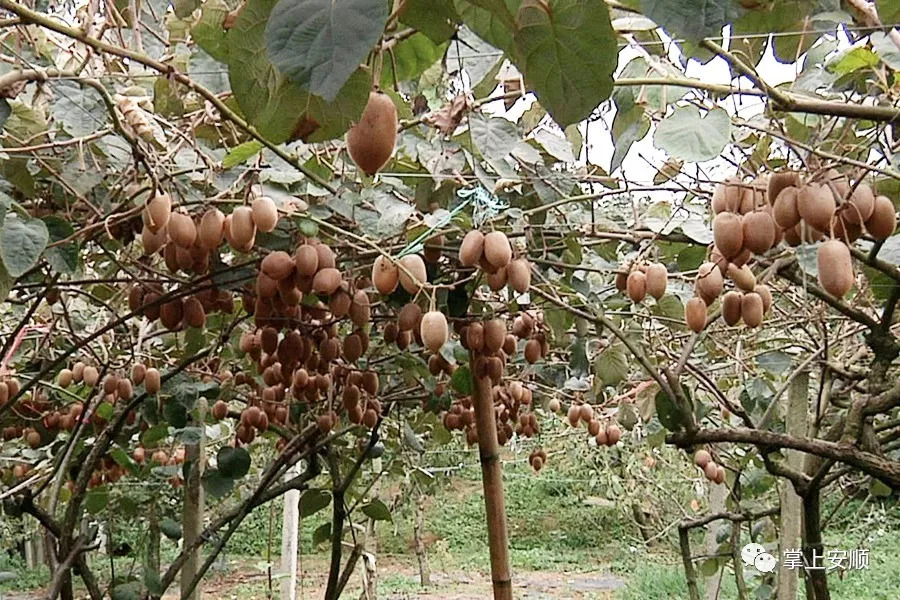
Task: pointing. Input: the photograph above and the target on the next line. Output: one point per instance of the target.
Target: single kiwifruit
(532, 351)
(727, 196)
(753, 196)
(265, 213)
(494, 335)
(766, 294)
(518, 274)
(194, 315)
(702, 458)
(124, 388)
(138, 372)
(742, 277)
(709, 282)
(153, 242)
(91, 376)
(497, 250)
(64, 379)
(728, 234)
(785, 208)
(815, 204)
(360, 308)
(471, 248)
(327, 281)
(695, 313)
(709, 470)
(212, 228)
(152, 381)
(412, 274)
(434, 330)
(731, 307)
(385, 275)
(242, 229)
(370, 382)
(431, 250)
(835, 268)
(883, 221)
(636, 286)
(171, 314)
(278, 265)
(370, 142)
(657, 279)
(510, 345)
(306, 259)
(135, 297)
(780, 181)
(266, 287)
(859, 208)
(268, 339)
(182, 230)
(475, 337)
(78, 372)
(352, 349)
(497, 280)
(325, 255)
(752, 309)
(409, 316)
(157, 212)
(219, 410)
(613, 434)
(759, 231)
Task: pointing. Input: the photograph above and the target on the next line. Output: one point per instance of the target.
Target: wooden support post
(192, 512)
(290, 527)
(789, 538)
(718, 493)
(492, 481)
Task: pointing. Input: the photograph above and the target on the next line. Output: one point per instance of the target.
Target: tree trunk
(789, 537)
(192, 513)
(421, 551)
(816, 579)
(689, 572)
(492, 481)
(154, 538)
(289, 539)
(717, 494)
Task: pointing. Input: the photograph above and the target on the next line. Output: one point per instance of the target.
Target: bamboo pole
(492, 481)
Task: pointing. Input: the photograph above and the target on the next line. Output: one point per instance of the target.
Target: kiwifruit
(815, 204)
(766, 294)
(497, 280)
(835, 268)
(385, 275)
(759, 231)
(475, 337)
(265, 213)
(370, 382)
(409, 317)
(785, 208)
(709, 282)
(194, 315)
(431, 249)
(832, 178)
(171, 314)
(124, 388)
(532, 351)
(727, 196)
(266, 287)
(153, 242)
(212, 228)
(586, 412)
(325, 256)
(780, 181)
(494, 335)
(859, 208)
(152, 381)
(327, 281)
(702, 458)
(268, 339)
(138, 372)
(843, 230)
(742, 277)
(278, 265)
(78, 371)
(91, 376)
(753, 196)
(157, 212)
(710, 470)
(352, 350)
(518, 274)
(883, 221)
(695, 313)
(183, 257)
(360, 308)
(182, 230)
(64, 379)
(636, 286)
(241, 228)
(370, 142)
(471, 248)
(413, 274)
(553, 405)
(752, 309)
(434, 330)
(306, 259)
(170, 255)
(497, 250)
(135, 297)
(404, 339)
(509, 345)
(728, 234)
(720, 474)
(657, 280)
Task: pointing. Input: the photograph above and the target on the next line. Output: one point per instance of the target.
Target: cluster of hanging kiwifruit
(604, 434)
(493, 254)
(711, 470)
(643, 279)
(537, 459)
(512, 407)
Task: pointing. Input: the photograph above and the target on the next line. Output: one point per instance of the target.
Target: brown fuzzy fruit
(182, 230)
(242, 229)
(709, 282)
(64, 379)
(370, 142)
(532, 351)
(434, 330)
(360, 308)
(785, 208)
(752, 309)
(413, 274)
(518, 274)
(409, 316)
(728, 234)
(278, 265)
(780, 181)
(265, 213)
(152, 381)
(171, 314)
(194, 315)
(860, 206)
(720, 474)
(471, 248)
(327, 281)
(702, 458)
(306, 259)
(883, 221)
(475, 337)
(636, 286)
(613, 434)
(709, 470)
(494, 335)
(124, 388)
(727, 196)
(157, 212)
(731, 307)
(138, 372)
(753, 197)
(385, 275)
(212, 228)
(845, 231)
(153, 242)
(759, 231)
(766, 294)
(496, 281)
(815, 204)
(91, 376)
(497, 250)
(657, 280)
(695, 314)
(835, 268)
(219, 410)
(742, 277)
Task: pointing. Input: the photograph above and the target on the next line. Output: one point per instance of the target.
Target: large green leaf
(97, 499)
(312, 501)
(435, 18)
(411, 57)
(566, 49)
(216, 484)
(21, 243)
(611, 366)
(208, 31)
(687, 135)
(377, 510)
(320, 43)
(628, 127)
(691, 19)
(233, 462)
(488, 25)
(65, 257)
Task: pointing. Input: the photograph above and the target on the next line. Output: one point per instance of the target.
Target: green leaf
(320, 43)
(687, 135)
(775, 361)
(493, 28)
(233, 462)
(241, 153)
(321, 534)
(628, 127)
(127, 591)
(97, 499)
(887, 50)
(80, 110)
(879, 489)
(412, 57)
(435, 18)
(377, 510)
(166, 101)
(691, 19)
(461, 380)
(312, 501)
(122, 459)
(208, 31)
(611, 366)
(21, 243)
(5, 111)
(853, 60)
(709, 567)
(170, 528)
(566, 50)
(216, 484)
(154, 435)
(63, 258)
(667, 411)
(105, 410)
(494, 137)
